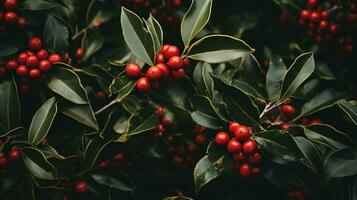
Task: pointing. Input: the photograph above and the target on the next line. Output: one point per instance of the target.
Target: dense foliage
(151, 99)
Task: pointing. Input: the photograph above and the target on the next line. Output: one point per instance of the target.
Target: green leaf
(275, 76)
(350, 108)
(142, 121)
(122, 86)
(252, 71)
(284, 177)
(203, 80)
(328, 136)
(42, 121)
(112, 182)
(218, 49)
(248, 89)
(122, 125)
(94, 149)
(9, 105)
(37, 164)
(279, 144)
(137, 37)
(308, 90)
(67, 84)
(195, 19)
(37, 5)
(55, 35)
(205, 170)
(207, 120)
(312, 157)
(239, 106)
(300, 70)
(92, 42)
(156, 33)
(81, 113)
(177, 95)
(321, 101)
(341, 163)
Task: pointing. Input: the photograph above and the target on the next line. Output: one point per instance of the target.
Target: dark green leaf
(312, 157)
(341, 163)
(36, 5)
(93, 150)
(9, 105)
(122, 86)
(248, 89)
(81, 113)
(207, 120)
(275, 76)
(55, 35)
(177, 95)
(202, 78)
(37, 164)
(91, 43)
(308, 90)
(350, 108)
(284, 177)
(112, 182)
(156, 33)
(142, 121)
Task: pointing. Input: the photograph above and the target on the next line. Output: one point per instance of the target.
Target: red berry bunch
(169, 65)
(299, 194)
(13, 156)
(327, 24)
(9, 16)
(34, 63)
(116, 160)
(243, 148)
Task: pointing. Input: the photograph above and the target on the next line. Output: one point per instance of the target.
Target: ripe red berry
(100, 95)
(44, 141)
(324, 14)
(3, 161)
(160, 58)
(305, 14)
(323, 24)
(79, 53)
(285, 126)
(222, 138)
(119, 157)
(256, 170)
(35, 73)
(10, 17)
(32, 62)
(179, 73)
(154, 73)
(10, 4)
(249, 146)
(186, 62)
(164, 48)
(45, 65)
(175, 62)
(11, 65)
(104, 164)
(14, 155)
(315, 16)
(165, 121)
(170, 51)
(160, 111)
(132, 70)
(35, 43)
(21, 22)
(22, 70)
(177, 2)
(234, 146)
(201, 139)
(239, 156)
(255, 158)
(143, 84)
(81, 187)
(315, 122)
(245, 170)
(312, 2)
(288, 110)
(55, 58)
(161, 128)
(333, 28)
(21, 58)
(242, 133)
(42, 54)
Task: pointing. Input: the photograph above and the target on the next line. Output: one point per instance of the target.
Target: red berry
(42, 54)
(35, 43)
(160, 58)
(165, 48)
(11, 65)
(288, 110)
(81, 187)
(315, 16)
(177, 160)
(312, 2)
(132, 70)
(164, 69)
(170, 51)
(45, 65)
(10, 4)
(304, 14)
(119, 157)
(179, 73)
(201, 139)
(249, 146)
(176, 2)
(234, 146)
(21, 22)
(333, 28)
(161, 128)
(104, 164)
(222, 138)
(160, 111)
(324, 14)
(175, 62)
(285, 126)
(79, 53)
(186, 62)
(100, 95)
(44, 141)
(315, 122)
(3, 72)
(55, 58)
(323, 24)
(10, 17)
(245, 170)
(242, 133)
(14, 155)
(35, 73)
(21, 58)
(32, 62)
(22, 70)
(3, 161)
(143, 84)
(165, 121)
(255, 158)
(256, 170)
(154, 73)
(239, 156)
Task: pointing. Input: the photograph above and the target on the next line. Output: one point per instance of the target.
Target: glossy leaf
(93, 150)
(9, 105)
(341, 163)
(310, 152)
(206, 120)
(350, 108)
(56, 35)
(142, 121)
(195, 19)
(81, 113)
(218, 49)
(202, 78)
(37, 164)
(249, 90)
(122, 86)
(285, 177)
(156, 33)
(275, 76)
(91, 43)
(112, 182)
(37, 5)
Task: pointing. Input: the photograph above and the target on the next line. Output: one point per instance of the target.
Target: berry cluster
(169, 66)
(13, 156)
(34, 63)
(243, 148)
(327, 24)
(116, 160)
(9, 17)
(164, 122)
(299, 194)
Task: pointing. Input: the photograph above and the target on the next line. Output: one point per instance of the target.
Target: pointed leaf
(156, 33)
(37, 164)
(91, 43)
(341, 163)
(202, 78)
(81, 113)
(122, 86)
(275, 76)
(9, 105)
(350, 108)
(142, 121)
(56, 35)
(207, 120)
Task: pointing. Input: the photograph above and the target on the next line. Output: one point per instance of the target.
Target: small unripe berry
(143, 84)
(81, 187)
(132, 70)
(234, 146)
(249, 146)
(35, 43)
(222, 138)
(245, 170)
(154, 73)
